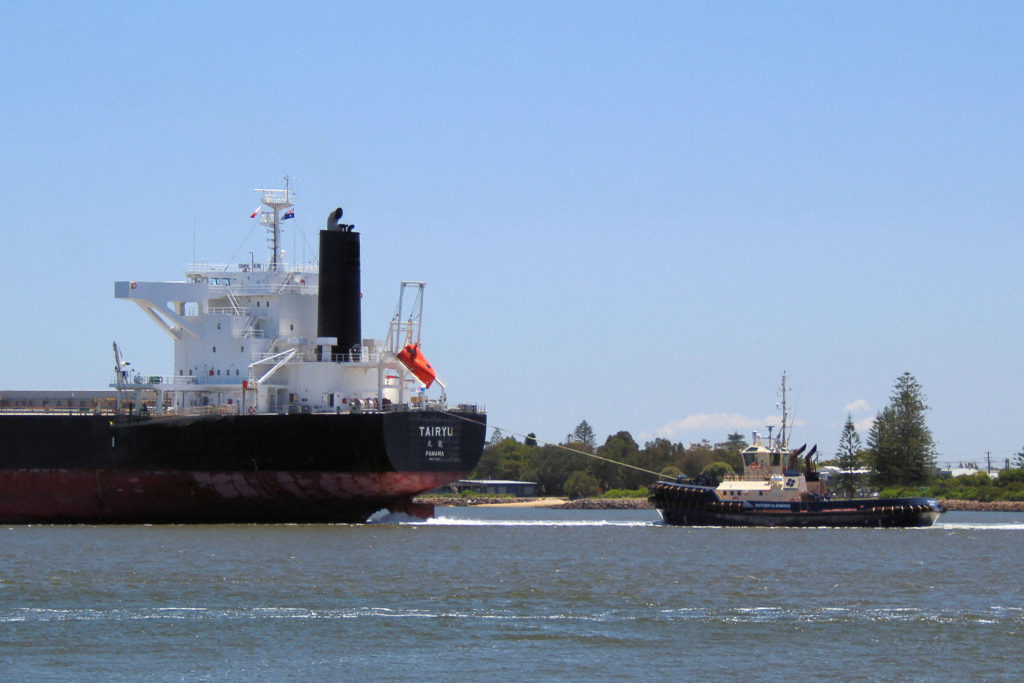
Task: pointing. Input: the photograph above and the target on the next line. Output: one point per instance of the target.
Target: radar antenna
(275, 200)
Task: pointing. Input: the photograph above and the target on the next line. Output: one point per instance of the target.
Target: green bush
(976, 479)
(1007, 477)
(903, 492)
(468, 493)
(1009, 485)
(626, 493)
(581, 485)
(717, 470)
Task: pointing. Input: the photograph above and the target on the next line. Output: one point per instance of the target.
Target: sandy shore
(549, 502)
(528, 503)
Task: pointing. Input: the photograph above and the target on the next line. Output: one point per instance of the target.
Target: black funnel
(338, 306)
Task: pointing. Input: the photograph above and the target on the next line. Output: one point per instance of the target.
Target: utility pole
(988, 456)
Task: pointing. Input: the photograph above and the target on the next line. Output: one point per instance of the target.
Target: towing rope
(557, 445)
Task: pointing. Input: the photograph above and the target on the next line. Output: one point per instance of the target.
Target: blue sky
(638, 214)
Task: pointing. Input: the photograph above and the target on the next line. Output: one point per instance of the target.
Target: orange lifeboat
(413, 358)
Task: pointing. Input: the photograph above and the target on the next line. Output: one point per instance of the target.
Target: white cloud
(858, 406)
(865, 424)
(721, 423)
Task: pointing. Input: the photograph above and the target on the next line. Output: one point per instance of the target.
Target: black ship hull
(230, 468)
(692, 505)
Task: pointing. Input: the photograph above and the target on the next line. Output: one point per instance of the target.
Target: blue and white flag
(290, 213)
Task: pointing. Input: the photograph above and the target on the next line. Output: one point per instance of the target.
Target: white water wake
(453, 521)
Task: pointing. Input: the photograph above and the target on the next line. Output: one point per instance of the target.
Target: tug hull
(692, 505)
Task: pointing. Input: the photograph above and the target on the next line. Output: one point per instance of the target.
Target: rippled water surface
(485, 594)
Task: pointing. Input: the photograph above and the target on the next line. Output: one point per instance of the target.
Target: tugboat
(278, 410)
(774, 491)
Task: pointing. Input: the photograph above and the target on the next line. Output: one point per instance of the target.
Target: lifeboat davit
(413, 358)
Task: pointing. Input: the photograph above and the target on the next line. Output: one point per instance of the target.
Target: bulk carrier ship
(277, 409)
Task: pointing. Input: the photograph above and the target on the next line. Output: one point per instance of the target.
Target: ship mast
(785, 415)
(275, 200)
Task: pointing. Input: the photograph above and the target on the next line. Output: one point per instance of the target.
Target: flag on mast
(257, 212)
(290, 213)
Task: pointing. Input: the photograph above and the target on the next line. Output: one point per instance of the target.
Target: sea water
(492, 594)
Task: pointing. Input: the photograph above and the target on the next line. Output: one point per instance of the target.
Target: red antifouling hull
(210, 497)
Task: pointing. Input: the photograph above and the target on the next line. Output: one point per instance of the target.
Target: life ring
(252, 410)
(134, 285)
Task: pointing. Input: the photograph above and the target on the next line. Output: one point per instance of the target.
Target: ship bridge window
(223, 281)
(749, 457)
(776, 459)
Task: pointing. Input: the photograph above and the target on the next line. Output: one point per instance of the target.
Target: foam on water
(1011, 617)
(453, 521)
(456, 521)
(385, 516)
(955, 526)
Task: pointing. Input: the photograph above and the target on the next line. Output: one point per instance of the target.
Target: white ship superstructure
(250, 338)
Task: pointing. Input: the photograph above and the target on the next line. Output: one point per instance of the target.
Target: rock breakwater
(984, 506)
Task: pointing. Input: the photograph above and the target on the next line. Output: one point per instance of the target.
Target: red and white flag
(257, 212)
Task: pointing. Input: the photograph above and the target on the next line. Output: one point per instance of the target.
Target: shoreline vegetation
(561, 503)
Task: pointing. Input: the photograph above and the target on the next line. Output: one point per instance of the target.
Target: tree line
(567, 470)
(899, 452)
